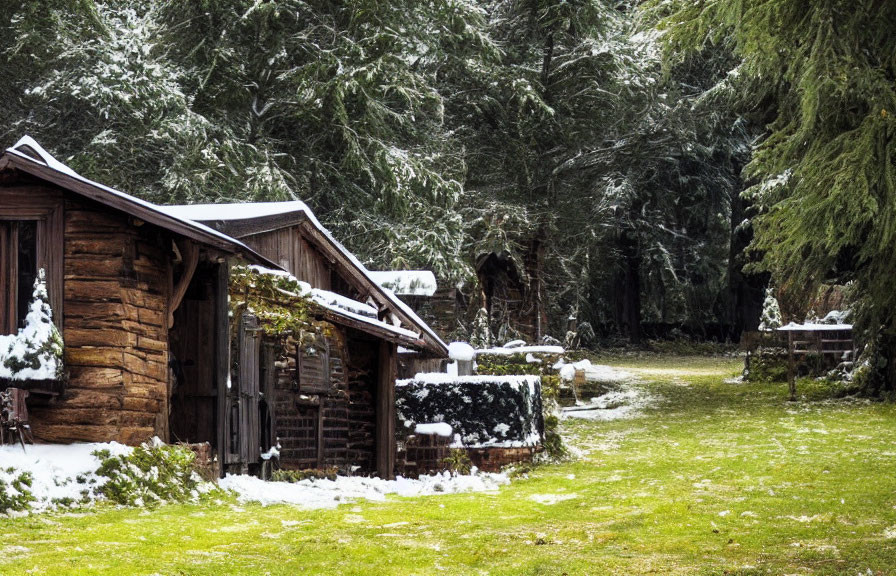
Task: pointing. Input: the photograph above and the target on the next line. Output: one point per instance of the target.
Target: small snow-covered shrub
(771, 312)
(15, 491)
(481, 335)
(154, 473)
(482, 410)
(35, 351)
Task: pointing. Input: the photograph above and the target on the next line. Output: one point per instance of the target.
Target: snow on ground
(59, 472)
(331, 493)
(602, 373)
(551, 499)
(624, 402)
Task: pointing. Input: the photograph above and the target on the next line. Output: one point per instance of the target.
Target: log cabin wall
(333, 425)
(116, 292)
(290, 250)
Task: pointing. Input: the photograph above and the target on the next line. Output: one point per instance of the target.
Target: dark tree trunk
(746, 292)
(628, 288)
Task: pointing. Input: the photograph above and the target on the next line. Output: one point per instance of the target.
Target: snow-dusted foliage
(153, 473)
(481, 335)
(481, 410)
(771, 312)
(35, 351)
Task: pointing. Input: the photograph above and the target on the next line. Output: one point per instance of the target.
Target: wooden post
(385, 410)
(791, 368)
(222, 359)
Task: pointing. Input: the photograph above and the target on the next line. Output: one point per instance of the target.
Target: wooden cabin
(140, 295)
(329, 394)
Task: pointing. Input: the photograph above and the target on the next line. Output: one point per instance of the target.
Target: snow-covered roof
(794, 327)
(238, 211)
(340, 305)
(406, 282)
(31, 157)
(504, 351)
(214, 213)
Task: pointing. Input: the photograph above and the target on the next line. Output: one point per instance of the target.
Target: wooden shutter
(249, 387)
(314, 365)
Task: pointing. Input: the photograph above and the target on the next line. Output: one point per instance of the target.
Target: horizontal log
(146, 405)
(94, 356)
(89, 221)
(103, 268)
(113, 245)
(60, 433)
(105, 338)
(62, 414)
(96, 310)
(94, 399)
(92, 378)
(93, 291)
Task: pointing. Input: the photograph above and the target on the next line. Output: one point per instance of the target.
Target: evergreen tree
(820, 77)
(771, 312)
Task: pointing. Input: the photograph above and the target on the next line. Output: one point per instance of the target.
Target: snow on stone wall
(501, 411)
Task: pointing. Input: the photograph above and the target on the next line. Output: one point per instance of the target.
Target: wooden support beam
(385, 410)
(190, 254)
(222, 359)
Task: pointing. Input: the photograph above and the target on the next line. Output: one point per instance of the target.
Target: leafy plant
(15, 490)
(458, 462)
(154, 473)
(293, 476)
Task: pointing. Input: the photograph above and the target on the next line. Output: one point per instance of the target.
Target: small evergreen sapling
(771, 313)
(35, 352)
(481, 336)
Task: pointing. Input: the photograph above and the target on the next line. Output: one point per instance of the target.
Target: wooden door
(194, 396)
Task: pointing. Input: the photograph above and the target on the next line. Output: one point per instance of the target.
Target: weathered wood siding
(290, 250)
(116, 292)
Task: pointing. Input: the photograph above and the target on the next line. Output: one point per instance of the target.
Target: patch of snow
(504, 351)
(515, 344)
(56, 469)
(433, 429)
(461, 351)
(406, 282)
(322, 493)
(551, 499)
(333, 300)
(616, 405)
(567, 372)
(813, 327)
(441, 378)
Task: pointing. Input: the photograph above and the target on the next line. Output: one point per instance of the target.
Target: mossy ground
(713, 478)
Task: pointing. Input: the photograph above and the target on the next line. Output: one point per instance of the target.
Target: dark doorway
(193, 394)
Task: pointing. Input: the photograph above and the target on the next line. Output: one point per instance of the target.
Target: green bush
(152, 474)
(458, 462)
(15, 491)
(293, 476)
(767, 364)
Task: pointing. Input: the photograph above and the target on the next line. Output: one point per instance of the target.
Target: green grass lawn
(713, 478)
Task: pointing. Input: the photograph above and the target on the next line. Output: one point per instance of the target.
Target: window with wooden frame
(30, 239)
(313, 363)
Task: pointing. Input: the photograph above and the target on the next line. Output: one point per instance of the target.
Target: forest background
(668, 158)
